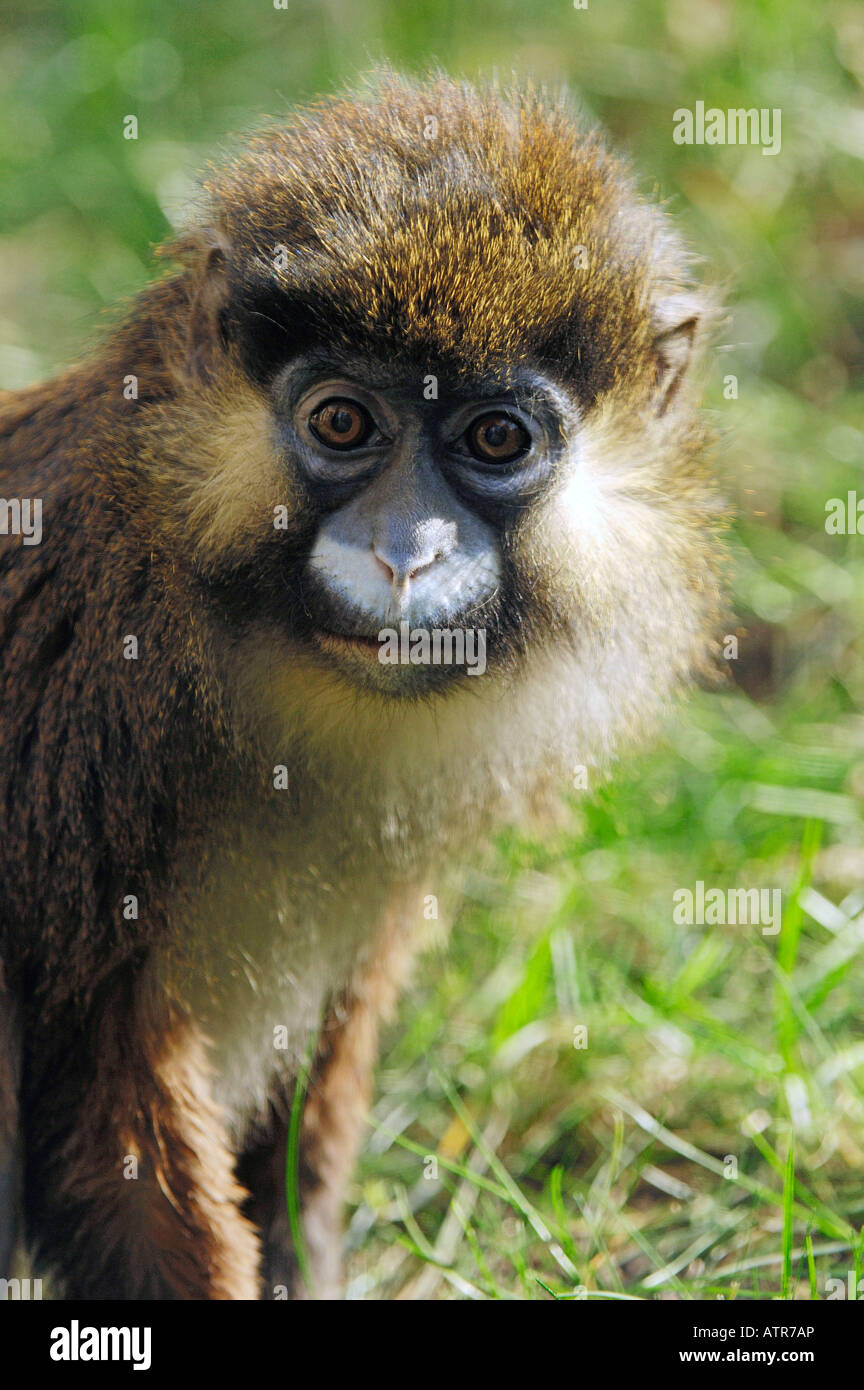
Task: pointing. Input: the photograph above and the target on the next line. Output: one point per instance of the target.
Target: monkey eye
(497, 438)
(341, 424)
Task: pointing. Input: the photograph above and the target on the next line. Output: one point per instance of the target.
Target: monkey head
(433, 345)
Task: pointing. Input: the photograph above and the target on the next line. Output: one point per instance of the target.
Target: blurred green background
(709, 1138)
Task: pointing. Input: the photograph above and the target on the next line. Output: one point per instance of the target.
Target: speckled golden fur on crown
(480, 228)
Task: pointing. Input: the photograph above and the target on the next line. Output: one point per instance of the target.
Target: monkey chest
(255, 958)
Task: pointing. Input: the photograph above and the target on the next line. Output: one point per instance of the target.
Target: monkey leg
(130, 1190)
(330, 1131)
(10, 1142)
(335, 1105)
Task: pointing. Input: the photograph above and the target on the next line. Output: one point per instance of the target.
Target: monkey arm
(10, 1142)
(335, 1105)
(130, 1191)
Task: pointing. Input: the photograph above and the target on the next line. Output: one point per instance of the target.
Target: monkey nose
(401, 570)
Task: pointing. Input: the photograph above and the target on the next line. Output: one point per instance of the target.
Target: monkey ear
(205, 331)
(676, 321)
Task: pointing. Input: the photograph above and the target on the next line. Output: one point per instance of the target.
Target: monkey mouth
(372, 662)
(338, 643)
(405, 655)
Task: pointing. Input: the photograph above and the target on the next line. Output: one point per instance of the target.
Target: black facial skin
(498, 491)
(429, 446)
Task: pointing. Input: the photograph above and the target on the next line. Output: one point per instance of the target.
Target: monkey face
(458, 363)
(418, 486)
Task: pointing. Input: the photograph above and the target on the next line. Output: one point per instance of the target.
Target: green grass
(658, 1161)
(708, 1141)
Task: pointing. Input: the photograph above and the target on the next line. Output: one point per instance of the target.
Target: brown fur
(171, 1229)
(153, 776)
(475, 285)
